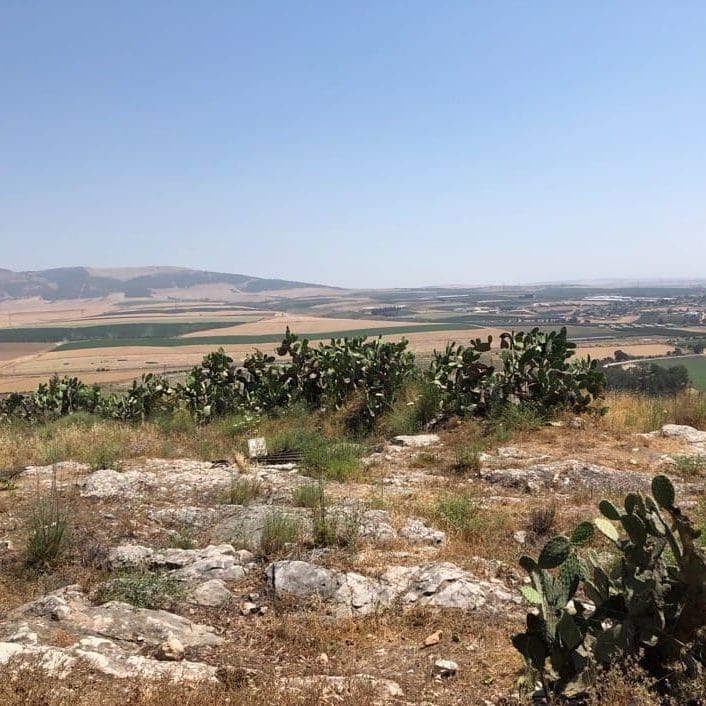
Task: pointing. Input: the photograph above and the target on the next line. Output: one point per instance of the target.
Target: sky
(359, 143)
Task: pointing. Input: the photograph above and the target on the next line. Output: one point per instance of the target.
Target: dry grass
(289, 639)
(644, 413)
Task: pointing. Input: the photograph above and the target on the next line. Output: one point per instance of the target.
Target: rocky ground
(407, 600)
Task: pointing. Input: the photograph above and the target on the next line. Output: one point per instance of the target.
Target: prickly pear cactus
(646, 602)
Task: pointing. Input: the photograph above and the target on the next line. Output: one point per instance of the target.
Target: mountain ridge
(89, 282)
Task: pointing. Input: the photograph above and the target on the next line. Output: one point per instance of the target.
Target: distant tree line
(650, 379)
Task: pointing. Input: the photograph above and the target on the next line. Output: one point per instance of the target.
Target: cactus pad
(554, 553)
(582, 533)
(663, 491)
(607, 528)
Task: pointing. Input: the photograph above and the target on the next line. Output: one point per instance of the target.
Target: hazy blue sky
(384, 143)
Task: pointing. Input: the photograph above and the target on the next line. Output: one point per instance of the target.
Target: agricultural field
(696, 365)
(116, 337)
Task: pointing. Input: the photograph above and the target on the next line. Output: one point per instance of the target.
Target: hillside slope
(84, 283)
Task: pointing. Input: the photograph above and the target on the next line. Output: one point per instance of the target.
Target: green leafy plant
(648, 603)
(142, 590)
(690, 466)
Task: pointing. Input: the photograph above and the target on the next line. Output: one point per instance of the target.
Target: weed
(183, 538)
(341, 529)
(48, 530)
(338, 461)
(243, 491)
(509, 419)
(279, 530)
(690, 466)
(141, 590)
(8, 479)
(425, 459)
(467, 458)
(542, 520)
(105, 454)
(308, 495)
(459, 512)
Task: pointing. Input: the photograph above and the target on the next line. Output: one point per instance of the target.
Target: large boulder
(684, 432)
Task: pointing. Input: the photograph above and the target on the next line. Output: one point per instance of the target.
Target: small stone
(213, 593)
(632, 462)
(416, 441)
(170, 651)
(520, 536)
(445, 668)
(323, 659)
(433, 639)
(248, 608)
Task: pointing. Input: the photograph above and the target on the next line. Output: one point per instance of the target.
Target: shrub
(425, 459)
(104, 453)
(243, 491)
(648, 602)
(141, 590)
(279, 530)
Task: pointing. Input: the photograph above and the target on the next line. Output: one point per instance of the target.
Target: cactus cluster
(646, 601)
(535, 370)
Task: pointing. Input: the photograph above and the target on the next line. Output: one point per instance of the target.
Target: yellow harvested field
(36, 311)
(300, 324)
(427, 341)
(13, 351)
(637, 349)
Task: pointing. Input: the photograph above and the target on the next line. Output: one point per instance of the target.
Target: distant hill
(86, 283)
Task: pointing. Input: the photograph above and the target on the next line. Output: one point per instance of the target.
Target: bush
(340, 529)
(535, 373)
(459, 513)
(690, 466)
(333, 460)
(651, 379)
(542, 520)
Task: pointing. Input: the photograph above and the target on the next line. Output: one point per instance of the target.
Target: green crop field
(108, 334)
(696, 365)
